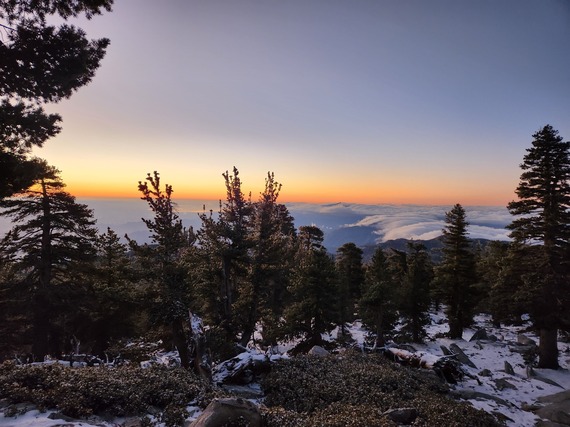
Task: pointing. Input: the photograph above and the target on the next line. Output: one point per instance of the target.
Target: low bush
(354, 390)
(122, 391)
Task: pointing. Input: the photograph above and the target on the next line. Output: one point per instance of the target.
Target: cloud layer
(388, 222)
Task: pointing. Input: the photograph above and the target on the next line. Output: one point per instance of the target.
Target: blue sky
(361, 101)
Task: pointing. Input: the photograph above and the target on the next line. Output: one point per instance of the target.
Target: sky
(355, 101)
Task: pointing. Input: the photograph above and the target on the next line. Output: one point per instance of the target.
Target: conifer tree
(313, 289)
(377, 306)
(52, 245)
(41, 63)
(456, 276)
(224, 248)
(541, 234)
(116, 311)
(170, 294)
(415, 271)
(350, 277)
(272, 237)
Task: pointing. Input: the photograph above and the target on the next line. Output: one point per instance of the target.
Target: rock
(546, 380)
(407, 347)
(485, 373)
(556, 412)
(492, 338)
(402, 415)
(132, 422)
(555, 398)
(509, 368)
(60, 416)
(461, 356)
(524, 340)
(502, 384)
(445, 350)
(480, 334)
(318, 351)
(477, 395)
(221, 412)
(545, 423)
(530, 407)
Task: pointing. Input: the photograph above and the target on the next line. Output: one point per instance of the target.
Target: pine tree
(350, 275)
(377, 306)
(415, 271)
(115, 308)
(272, 237)
(541, 234)
(171, 296)
(456, 276)
(40, 64)
(224, 248)
(313, 289)
(52, 245)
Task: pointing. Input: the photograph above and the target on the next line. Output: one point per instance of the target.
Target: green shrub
(354, 390)
(123, 391)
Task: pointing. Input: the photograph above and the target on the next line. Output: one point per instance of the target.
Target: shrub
(355, 390)
(122, 391)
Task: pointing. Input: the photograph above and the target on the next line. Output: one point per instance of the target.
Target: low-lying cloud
(389, 222)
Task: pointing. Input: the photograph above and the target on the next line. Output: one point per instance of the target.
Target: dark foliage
(356, 390)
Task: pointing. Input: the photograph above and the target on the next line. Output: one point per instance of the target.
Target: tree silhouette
(541, 234)
(163, 259)
(51, 243)
(456, 276)
(40, 63)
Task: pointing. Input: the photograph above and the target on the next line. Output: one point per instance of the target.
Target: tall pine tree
(52, 244)
(541, 234)
(456, 276)
(350, 277)
(313, 292)
(377, 306)
(41, 63)
(170, 295)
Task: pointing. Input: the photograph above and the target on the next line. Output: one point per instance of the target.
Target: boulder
(524, 340)
(221, 412)
(556, 412)
(461, 356)
(480, 334)
(509, 368)
(486, 373)
(318, 351)
(404, 416)
(502, 383)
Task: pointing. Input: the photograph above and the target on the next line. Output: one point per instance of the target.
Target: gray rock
(546, 423)
(509, 368)
(502, 384)
(445, 350)
(555, 398)
(221, 412)
(461, 356)
(524, 340)
(402, 415)
(492, 338)
(485, 373)
(546, 380)
(477, 395)
(480, 334)
(59, 416)
(318, 351)
(556, 412)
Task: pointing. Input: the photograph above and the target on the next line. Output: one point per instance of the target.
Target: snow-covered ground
(485, 354)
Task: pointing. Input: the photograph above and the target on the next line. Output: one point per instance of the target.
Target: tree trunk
(455, 330)
(181, 343)
(548, 349)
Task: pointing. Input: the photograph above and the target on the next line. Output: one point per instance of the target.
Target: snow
(484, 354)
